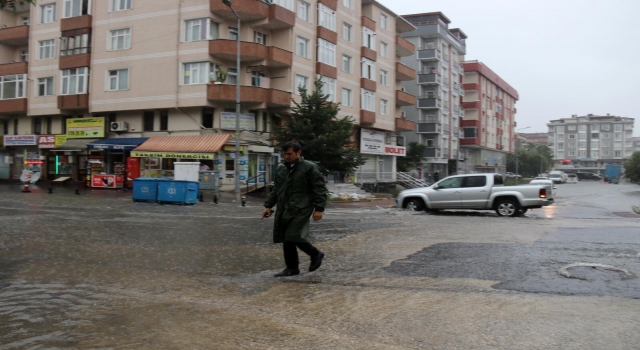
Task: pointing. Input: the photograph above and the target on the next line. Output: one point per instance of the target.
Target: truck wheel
(507, 207)
(414, 205)
(521, 212)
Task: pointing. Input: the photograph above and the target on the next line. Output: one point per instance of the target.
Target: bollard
(25, 188)
(244, 201)
(215, 199)
(50, 187)
(77, 190)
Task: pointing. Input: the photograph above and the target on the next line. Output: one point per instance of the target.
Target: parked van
(558, 176)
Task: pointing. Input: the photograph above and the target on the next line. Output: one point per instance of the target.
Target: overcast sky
(563, 57)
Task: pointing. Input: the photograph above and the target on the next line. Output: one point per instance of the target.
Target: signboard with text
(373, 142)
(228, 121)
(171, 155)
(107, 181)
(78, 128)
(20, 140)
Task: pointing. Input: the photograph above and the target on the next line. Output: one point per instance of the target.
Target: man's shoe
(287, 273)
(316, 261)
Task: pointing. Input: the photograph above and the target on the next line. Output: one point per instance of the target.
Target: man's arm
(318, 189)
(273, 197)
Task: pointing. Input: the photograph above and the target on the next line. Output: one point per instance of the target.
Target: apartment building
(538, 138)
(636, 144)
(438, 88)
(589, 143)
(159, 76)
(489, 120)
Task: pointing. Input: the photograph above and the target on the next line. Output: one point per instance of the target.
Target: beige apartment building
(148, 70)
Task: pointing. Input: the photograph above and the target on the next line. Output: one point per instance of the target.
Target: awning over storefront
(126, 144)
(73, 145)
(186, 144)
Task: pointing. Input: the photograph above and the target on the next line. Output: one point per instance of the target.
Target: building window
(383, 49)
(329, 88)
(572, 136)
(148, 121)
(201, 29)
(232, 76)
(572, 153)
(347, 29)
(368, 38)
(383, 77)
(582, 127)
(326, 17)
(120, 5)
(368, 100)
(45, 86)
(302, 47)
(73, 45)
(605, 127)
(560, 145)
(572, 145)
(302, 82)
(582, 136)
(582, 144)
(326, 52)
(346, 97)
(74, 8)
(606, 144)
(384, 21)
(120, 39)
(346, 64)
(25, 20)
(118, 79)
(259, 38)
(198, 72)
(13, 86)
(24, 55)
(346, 3)
(233, 33)
(595, 127)
(15, 126)
(368, 69)
(383, 106)
(164, 120)
(207, 118)
(617, 154)
(303, 10)
(617, 145)
(47, 49)
(48, 13)
(617, 127)
(605, 135)
(74, 81)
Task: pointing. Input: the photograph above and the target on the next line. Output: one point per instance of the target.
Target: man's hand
(317, 215)
(266, 213)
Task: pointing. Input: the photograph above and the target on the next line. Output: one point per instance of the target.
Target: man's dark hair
(291, 144)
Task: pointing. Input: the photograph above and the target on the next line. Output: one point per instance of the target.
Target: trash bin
(145, 189)
(183, 192)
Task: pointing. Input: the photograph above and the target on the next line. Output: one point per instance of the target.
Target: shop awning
(126, 144)
(184, 144)
(73, 145)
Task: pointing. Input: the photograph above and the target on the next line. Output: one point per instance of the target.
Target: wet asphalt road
(97, 271)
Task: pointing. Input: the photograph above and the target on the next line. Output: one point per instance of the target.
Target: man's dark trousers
(291, 253)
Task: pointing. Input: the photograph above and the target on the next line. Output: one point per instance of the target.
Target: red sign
(107, 181)
(395, 150)
(46, 141)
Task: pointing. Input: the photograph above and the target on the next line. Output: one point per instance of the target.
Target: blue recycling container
(145, 189)
(183, 192)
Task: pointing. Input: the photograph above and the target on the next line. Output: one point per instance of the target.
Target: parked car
(510, 175)
(572, 179)
(551, 187)
(475, 192)
(589, 176)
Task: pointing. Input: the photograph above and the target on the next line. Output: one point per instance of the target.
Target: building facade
(489, 120)
(589, 143)
(636, 144)
(438, 112)
(152, 68)
(538, 138)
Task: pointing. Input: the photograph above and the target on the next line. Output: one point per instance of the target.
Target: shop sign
(20, 140)
(371, 142)
(247, 121)
(60, 139)
(78, 128)
(107, 181)
(171, 155)
(46, 141)
(395, 151)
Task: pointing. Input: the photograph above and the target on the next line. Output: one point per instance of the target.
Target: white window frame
(617, 154)
(617, 127)
(383, 106)
(368, 69)
(68, 7)
(368, 100)
(346, 3)
(384, 21)
(120, 5)
(288, 4)
(48, 86)
(114, 34)
(347, 62)
(232, 75)
(46, 49)
(209, 25)
(383, 49)
(326, 52)
(329, 88)
(605, 153)
(303, 10)
(302, 47)
(73, 45)
(368, 38)
(24, 55)
(259, 38)
(383, 77)
(347, 31)
(20, 86)
(194, 69)
(48, 13)
(347, 99)
(117, 79)
(79, 85)
(301, 80)
(326, 17)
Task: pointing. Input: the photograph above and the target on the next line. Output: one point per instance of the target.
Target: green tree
(413, 157)
(11, 4)
(325, 138)
(532, 160)
(632, 167)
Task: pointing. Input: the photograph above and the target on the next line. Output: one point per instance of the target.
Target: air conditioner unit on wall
(118, 126)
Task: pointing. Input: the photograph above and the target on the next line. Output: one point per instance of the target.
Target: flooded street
(97, 271)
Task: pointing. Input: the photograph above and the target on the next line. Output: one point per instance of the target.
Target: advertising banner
(172, 155)
(20, 140)
(46, 141)
(78, 128)
(107, 181)
(247, 121)
(373, 142)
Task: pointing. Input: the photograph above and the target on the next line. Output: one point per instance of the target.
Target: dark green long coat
(297, 194)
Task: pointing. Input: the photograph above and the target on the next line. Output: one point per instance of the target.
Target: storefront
(25, 162)
(106, 166)
(70, 160)
(380, 157)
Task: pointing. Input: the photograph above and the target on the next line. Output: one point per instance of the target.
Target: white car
(572, 179)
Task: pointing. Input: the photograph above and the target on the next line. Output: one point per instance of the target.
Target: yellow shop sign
(195, 156)
(79, 128)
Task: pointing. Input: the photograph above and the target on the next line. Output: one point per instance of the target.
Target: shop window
(207, 118)
(164, 120)
(148, 121)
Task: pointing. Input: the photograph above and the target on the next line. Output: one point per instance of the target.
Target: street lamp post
(236, 165)
(518, 152)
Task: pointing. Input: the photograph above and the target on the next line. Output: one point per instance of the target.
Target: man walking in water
(300, 193)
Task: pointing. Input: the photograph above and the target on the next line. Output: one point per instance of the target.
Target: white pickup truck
(475, 192)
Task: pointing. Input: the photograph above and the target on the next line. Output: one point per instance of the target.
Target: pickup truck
(475, 192)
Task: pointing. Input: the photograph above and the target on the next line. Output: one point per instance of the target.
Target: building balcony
(279, 58)
(326, 70)
(429, 128)
(332, 4)
(470, 142)
(14, 105)
(368, 84)
(429, 54)
(432, 152)
(367, 22)
(404, 47)
(403, 125)
(471, 87)
(14, 68)
(250, 52)
(280, 18)
(249, 94)
(430, 102)
(471, 105)
(15, 36)
(367, 117)
(404, 99)
(327, 34)
(75, 61)
(368, 53)
(499, 131)
(404, 73)
(79, 101)
(499, 147)
(78, 22)
(429, 78)
(247, 10)
(470, 123)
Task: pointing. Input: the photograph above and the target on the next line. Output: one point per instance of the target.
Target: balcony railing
(15, 36)
(429, 128)
(429, 102)
(429, 78)
(429, 54)
(432, 152)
